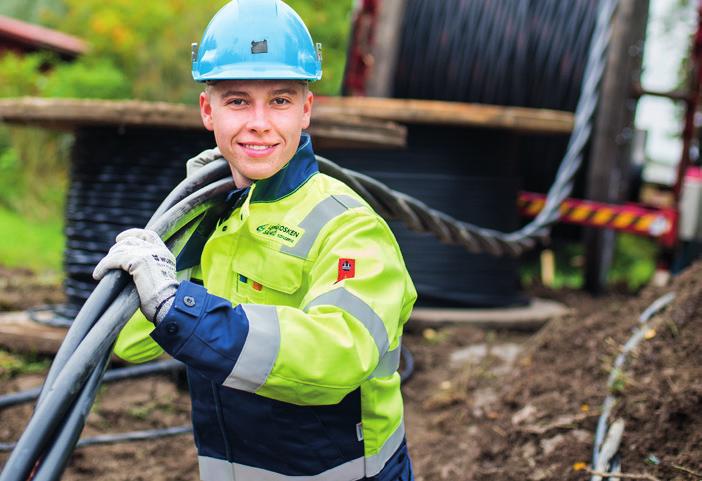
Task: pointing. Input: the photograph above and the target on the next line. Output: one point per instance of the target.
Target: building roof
(27, 36)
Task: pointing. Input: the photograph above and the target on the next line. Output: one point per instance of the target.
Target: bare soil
(481, 405)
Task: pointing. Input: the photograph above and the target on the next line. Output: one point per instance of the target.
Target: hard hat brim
(257, 71)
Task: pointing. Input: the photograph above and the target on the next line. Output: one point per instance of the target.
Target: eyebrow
(241, 93)
(288, 91)
(235, 93)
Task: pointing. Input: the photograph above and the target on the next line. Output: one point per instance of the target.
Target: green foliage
(330, 24)
(20, 75)
(34, 244)
(634, 261)
(142, 49)
(93, 78)
(633, 266)
(150, 41)
(44, 75)
(30, 10)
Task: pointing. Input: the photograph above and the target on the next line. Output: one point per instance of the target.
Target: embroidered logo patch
(347, 269)
(281, 233)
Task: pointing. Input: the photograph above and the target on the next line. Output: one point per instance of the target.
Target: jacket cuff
(203, 331)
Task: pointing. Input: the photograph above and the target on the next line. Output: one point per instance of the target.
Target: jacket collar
(287, 180)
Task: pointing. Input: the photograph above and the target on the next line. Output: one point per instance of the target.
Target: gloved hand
(143, 254)
(201, 160)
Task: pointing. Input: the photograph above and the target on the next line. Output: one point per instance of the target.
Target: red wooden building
(23, 37)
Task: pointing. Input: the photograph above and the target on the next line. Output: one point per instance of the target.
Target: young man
(291, 324)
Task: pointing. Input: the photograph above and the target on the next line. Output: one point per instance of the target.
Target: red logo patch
(347, 269)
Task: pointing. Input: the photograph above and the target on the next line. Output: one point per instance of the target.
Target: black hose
(121, 437)
(132, 372)
(59, 452)
(114, 282)
(408, 358)
(96, 343)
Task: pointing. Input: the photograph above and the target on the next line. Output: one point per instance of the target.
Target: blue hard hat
(256, 40)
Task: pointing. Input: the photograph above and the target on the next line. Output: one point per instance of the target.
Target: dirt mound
(550, 403)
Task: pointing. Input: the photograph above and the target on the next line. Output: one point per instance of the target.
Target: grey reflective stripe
(316, 220)
(212, 469)
(260, 349)
(389, 363)
(375, 464)
(344, 299)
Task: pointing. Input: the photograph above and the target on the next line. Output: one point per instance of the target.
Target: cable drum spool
(119, 176)
(526, 53)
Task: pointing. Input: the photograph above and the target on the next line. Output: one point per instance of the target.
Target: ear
(307, 109)
(206, 110)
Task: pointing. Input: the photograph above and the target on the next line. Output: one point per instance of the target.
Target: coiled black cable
(529, 53)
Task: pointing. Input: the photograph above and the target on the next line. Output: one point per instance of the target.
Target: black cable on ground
(132, 436)
(132, 372)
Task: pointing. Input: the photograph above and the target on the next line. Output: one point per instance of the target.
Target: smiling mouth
(258, 147)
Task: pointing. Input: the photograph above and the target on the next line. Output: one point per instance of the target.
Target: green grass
(634, 264)
(33, 244)
(14, 364)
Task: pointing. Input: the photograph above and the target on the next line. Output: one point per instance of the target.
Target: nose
(259, 121)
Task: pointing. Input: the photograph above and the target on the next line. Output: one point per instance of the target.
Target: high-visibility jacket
(292, 342)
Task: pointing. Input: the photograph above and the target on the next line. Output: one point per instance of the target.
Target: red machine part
(659, 224)
(691, 103)
(360, 60)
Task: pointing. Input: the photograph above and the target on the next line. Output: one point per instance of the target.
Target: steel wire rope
(475, 239)
(638, 335)
(96, 343)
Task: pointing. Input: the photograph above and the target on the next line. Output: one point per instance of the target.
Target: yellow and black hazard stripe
(656, 223)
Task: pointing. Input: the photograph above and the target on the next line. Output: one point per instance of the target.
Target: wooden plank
(410, 111)
(528, 318)
(386, 45)
(332, 128)
(608, 171)
(19, 333)
(364, 114)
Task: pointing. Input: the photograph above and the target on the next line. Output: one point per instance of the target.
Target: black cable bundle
(528, 53)
(78, 367)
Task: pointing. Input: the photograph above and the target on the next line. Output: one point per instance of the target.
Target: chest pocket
(267, 276)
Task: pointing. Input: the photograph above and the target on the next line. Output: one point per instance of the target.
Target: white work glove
(143, 254)
(201, 160)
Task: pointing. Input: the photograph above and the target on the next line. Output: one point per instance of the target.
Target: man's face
(256, 123)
